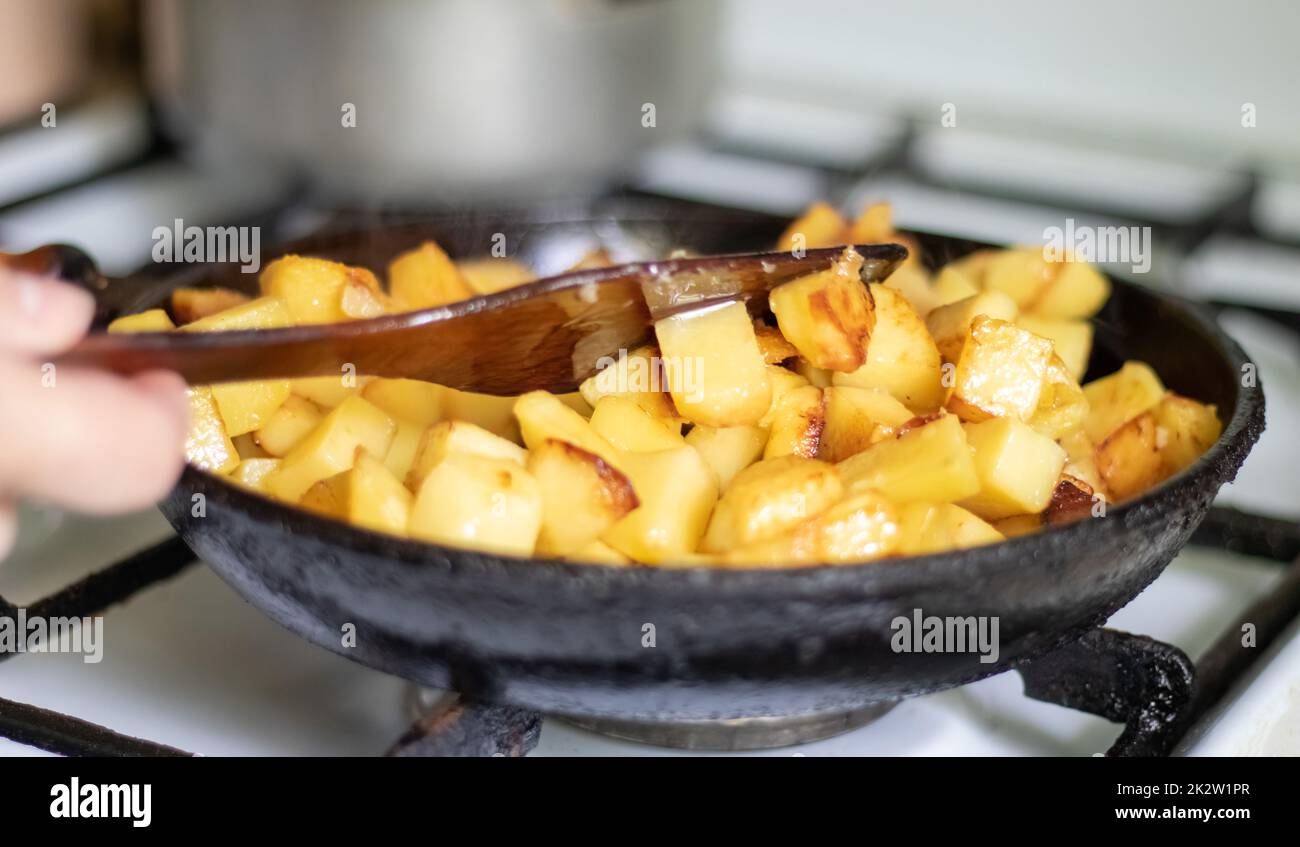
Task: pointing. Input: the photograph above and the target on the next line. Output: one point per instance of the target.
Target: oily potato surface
(937, 410)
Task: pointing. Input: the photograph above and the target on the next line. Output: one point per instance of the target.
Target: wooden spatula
(547, 334)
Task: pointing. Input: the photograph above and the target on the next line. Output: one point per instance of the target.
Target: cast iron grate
(1148, 686)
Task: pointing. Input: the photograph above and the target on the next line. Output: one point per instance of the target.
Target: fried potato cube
(331, 448)
(873, 225)
(207, 444)
(152, 320)
(1081, 460)
(488, 275)
(461, 438)
(859, 528)
(1018, 525)
(582, 496)
(819, 377)
(248, 448)
(407, 438)
(288, 425)
(627, 426)
(728, 450)
(407, 399)
(262, 313)
(901, 357)
(1062, 406)
(542, 416)
(252, 473)
(493, 413)
(827, 316)
(328, 391)
(856, 418)
(913, 282)
(950, 325)
(819, 226)
(783, 381)
(191, 304)
(773, 345)
(1017, 468)
(1072, 499)
(715, 371)
(1071, 339)
(797, 424)
(1021, 274)
(1189, 429)
(676, 490)
(938, 527)
(952, 284)
(1113, 400)
(1076, 290)
(366, 495)
(927, 463)
(247, 406)
(312, 288)
(426, 277)
(769, 498)
(358, 300)
(483, 504)
(1129, 459)
(1000, 372)
(639, 375)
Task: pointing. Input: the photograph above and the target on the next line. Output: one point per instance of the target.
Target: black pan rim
(1216, 466)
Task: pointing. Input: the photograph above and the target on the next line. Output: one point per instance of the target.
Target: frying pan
(695, 644)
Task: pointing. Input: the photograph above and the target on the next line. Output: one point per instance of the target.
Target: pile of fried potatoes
(929, 412)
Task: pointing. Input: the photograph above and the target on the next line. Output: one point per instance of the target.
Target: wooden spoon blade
(547, 334)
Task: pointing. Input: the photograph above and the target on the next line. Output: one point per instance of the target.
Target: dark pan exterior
(569, 638)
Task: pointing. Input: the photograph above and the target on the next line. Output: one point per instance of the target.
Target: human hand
(90, 441)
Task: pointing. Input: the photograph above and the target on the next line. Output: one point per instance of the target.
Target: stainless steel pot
(453, 99)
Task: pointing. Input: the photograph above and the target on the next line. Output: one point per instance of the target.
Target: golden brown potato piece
(773, 344)
(629, 427)
(827, 316)
(488, 275)
(1186, 430)
(426, 277)
(207, 444)
(190, 304)
(950, 325)
(768, 498)
(1017, 468)
(931, 463)
(1021, 274)
(1071, 339)
(367, 495)
(582, 496)
(1129, 458)
(1113, 400)
(542, 416)
(714, 367)
(859, 528)
(1062, 407)
(857, 418)
(460, 438)
(639, 375)
(1071, 500)
(819, 226)
(1000, 372)
(938, 527)
(313, 288)
(677, 491)
(728, 450)
(901, 357)
(1081, 460)
(797, 424)
(478, 503)
(1076, 290)
(331, 448)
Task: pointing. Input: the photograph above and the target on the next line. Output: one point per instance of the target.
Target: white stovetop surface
(189, 663)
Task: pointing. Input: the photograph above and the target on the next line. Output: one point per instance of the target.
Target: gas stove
(187, 667)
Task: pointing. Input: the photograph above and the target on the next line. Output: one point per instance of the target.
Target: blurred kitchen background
(989, 120)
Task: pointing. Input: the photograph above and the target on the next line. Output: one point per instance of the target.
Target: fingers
(39, 316)
(90, 441)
